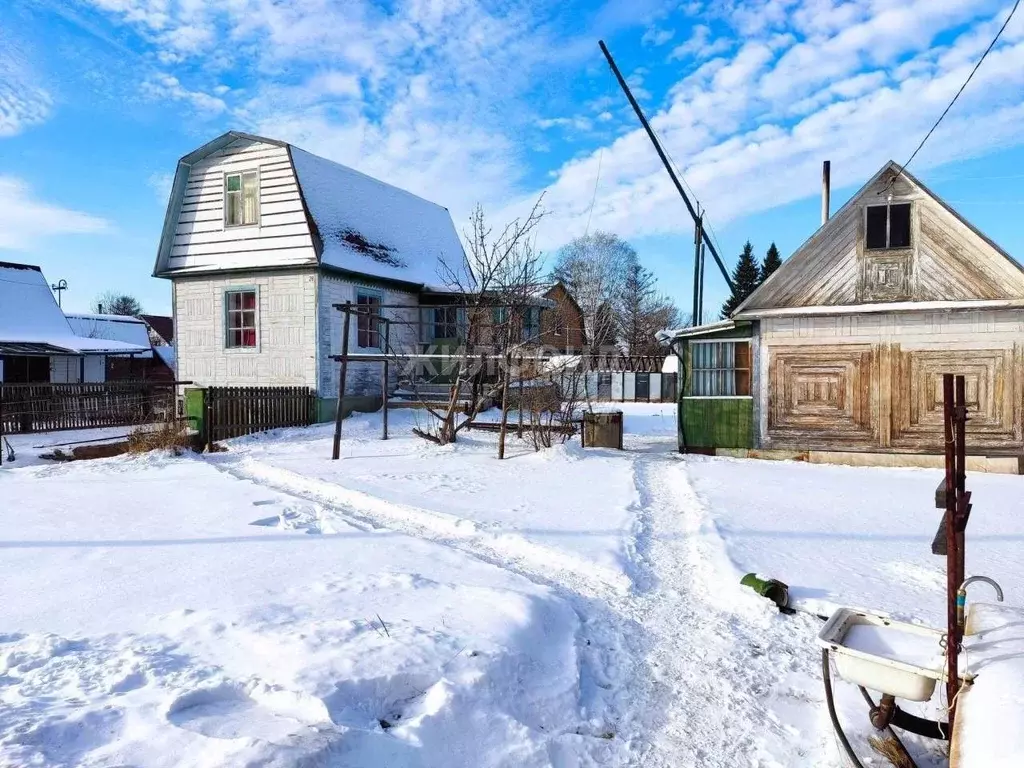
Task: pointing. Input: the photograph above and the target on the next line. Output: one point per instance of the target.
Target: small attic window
(888, 226)
(241, 199)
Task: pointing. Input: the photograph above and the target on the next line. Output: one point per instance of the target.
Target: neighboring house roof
(161, 325)
(359, 224)
(32, 323)
(970, 269)
(167, 354)
(130, 330)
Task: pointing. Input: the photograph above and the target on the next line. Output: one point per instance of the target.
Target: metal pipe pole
(952, 585)
(700, 297)
(384, 385)
(664, 158)
(340, 414)
(697, 227)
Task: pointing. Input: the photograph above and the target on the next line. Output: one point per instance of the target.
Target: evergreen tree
(772, 261)
(745, 277)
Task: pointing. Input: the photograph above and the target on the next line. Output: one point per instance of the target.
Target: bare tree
(593, 269)
(114, 303)
(641, 312)
(496, 294)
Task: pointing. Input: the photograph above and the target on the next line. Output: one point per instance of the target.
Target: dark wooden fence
(50, 407)
(236, 411)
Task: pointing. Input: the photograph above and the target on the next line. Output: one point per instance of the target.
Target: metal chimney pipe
(826, 190)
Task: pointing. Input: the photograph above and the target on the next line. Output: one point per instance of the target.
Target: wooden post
(336, 454)
(504, 407)
(519, 432)
(700, 296)
(384, 385)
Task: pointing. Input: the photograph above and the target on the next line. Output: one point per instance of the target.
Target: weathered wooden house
(838, 356)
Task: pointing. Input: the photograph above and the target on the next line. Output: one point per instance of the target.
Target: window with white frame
(241, 199)
(368, 320)
(887, 226)
(719, 368)
(240, 317)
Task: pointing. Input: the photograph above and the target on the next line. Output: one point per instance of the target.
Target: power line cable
(593, 199)
(957, 96)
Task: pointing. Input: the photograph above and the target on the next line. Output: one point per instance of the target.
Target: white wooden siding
(64, 370)
(286, 330)
(362, 378)
(282, 237)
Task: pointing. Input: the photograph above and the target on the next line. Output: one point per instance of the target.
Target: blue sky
(471, 101)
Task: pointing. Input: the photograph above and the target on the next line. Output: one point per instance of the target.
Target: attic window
(241, 199)
(888, 226)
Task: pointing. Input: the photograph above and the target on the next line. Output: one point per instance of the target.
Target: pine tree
(745, 278)
(772, 261)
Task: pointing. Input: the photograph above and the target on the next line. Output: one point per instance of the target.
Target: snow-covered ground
(412, 605)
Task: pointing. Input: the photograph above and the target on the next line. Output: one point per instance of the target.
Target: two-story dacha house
(839, 355)
(261, 239)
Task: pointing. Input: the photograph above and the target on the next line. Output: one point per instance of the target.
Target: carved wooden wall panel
(821, 394)
(992, 377)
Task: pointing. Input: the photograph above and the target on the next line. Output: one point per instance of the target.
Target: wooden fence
(50, 407)
(235, 411)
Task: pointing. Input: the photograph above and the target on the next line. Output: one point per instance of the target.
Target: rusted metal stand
(958, 510)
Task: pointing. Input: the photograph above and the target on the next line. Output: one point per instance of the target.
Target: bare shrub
(170, 435)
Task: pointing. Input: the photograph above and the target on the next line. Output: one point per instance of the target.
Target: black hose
(826, 674)
(930, 729)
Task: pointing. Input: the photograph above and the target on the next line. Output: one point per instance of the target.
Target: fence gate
(604, 385)
(236, 411)
(642, 387)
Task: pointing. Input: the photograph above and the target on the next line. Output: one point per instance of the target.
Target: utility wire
(593, 200)
(706, 223)
(957, 96)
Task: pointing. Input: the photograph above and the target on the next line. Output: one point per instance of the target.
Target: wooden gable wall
(946, 261)
(282, 237)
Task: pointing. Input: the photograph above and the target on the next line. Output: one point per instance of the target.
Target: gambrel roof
(358, 224)
(949, 261)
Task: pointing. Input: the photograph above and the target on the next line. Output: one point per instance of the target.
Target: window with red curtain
(241, 319)
(368, 320)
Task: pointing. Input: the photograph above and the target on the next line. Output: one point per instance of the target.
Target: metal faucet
(961, 595)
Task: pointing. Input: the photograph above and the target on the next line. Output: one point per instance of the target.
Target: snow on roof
(376, 229)
(167, 354)
(29, 314)
(130, 330)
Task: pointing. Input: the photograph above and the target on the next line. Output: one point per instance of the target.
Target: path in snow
(682, 665)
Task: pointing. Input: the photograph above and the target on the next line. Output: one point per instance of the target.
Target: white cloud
(437, 95)
(700, 45)
(23, 101)
(160, 182)
(164, 86)
(751, 130)
(25, 220)
(656, 36)
(579, 123)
